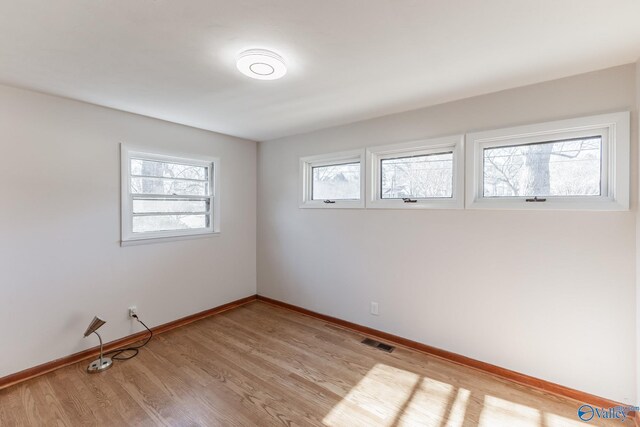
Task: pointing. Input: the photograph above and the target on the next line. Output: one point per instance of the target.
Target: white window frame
(306, 179)
(614, 130)
(375, 155)
(128, 237)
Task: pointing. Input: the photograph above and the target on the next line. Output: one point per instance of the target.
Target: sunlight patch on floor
(381, 392)
(395, 397)
(553, 420)
(427, 405)
(458, 408)
(498, 412)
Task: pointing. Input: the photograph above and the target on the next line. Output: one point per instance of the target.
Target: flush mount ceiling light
(261, 64)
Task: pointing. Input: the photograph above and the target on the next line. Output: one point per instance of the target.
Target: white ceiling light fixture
(261, 64)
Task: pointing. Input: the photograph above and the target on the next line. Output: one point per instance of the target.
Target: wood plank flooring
(260, 365)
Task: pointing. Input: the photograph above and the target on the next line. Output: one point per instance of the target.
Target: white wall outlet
(133, 310)
(374, 308)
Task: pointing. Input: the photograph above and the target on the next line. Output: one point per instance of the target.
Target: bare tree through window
(423, 176)
(156, 178)
(336, 182)
(569, 167)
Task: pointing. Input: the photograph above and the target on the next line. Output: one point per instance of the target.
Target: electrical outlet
(133, 310)
(374, 308)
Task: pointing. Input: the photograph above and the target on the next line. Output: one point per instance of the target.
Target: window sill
(337, 205)
(151, 240)
(420, 204)
(551, 205)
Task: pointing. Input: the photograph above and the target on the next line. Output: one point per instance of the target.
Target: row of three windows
(579, 163)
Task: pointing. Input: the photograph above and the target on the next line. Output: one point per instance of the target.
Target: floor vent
(377, 344)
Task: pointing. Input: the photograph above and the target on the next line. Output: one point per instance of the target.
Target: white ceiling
(348, 59)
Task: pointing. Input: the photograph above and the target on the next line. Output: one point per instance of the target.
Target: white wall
(60, 257)
(549, 294)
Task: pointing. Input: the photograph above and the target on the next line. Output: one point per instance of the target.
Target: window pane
(167, 186)
(420, 177)
(143, 224)
(169, 206)
(558, 168)
(336, 182)
(168, 170)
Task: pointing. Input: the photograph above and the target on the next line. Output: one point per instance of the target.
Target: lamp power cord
(117, 354)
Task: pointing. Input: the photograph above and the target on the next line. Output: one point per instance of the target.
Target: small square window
(332, 180)
(570, 164)
(423, 174)
(167, 196)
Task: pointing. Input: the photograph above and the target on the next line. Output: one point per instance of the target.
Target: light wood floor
(264, 365)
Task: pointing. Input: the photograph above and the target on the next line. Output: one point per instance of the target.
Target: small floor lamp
(103, 363)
